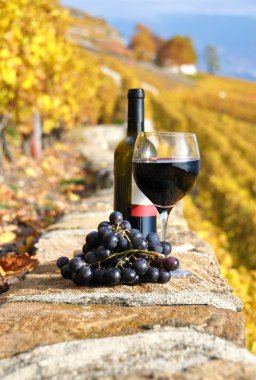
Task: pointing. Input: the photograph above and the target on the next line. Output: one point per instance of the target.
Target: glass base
(181, 273)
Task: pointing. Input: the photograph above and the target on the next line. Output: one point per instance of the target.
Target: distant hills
(233, 36)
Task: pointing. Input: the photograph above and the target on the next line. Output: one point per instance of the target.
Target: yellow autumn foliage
(41, 70)
(223, 207)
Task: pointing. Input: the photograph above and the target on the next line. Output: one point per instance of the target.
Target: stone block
(164, 352)
(24, 326)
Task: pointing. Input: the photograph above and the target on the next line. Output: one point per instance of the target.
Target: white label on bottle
(141, 205)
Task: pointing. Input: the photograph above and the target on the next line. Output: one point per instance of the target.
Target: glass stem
(164, 216)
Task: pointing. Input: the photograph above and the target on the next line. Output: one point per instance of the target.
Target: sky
(150, 9)
(229, 25)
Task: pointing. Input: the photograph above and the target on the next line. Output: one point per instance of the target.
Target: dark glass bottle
(128, 199)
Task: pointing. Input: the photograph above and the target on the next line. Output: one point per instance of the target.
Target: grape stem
(127, 237)
(132, 251)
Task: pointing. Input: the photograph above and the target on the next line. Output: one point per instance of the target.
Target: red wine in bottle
(128, 199)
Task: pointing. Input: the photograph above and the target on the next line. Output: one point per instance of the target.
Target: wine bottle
(128, 199)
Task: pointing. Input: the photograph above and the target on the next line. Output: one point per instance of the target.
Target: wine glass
(165, 168)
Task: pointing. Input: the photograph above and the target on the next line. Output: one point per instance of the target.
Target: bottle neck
(135, 122)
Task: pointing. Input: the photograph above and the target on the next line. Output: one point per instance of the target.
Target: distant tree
(158, 41)
(143, 43)
(211, 58)
(177, 51)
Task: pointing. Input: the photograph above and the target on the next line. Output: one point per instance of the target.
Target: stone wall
(190, 328)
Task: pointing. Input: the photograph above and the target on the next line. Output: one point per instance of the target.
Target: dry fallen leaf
(72, 196)
(7, 237)
(30, 172)
(14, 264)
(8, 228)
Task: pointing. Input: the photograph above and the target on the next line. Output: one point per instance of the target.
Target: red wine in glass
(165, 169)
(165, 181)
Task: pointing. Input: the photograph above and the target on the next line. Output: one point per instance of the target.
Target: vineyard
(222, 209)
(44, 72)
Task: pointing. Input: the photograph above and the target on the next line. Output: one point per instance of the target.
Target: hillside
(95, 34)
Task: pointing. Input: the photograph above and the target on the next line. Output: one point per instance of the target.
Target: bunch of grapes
(118, 254)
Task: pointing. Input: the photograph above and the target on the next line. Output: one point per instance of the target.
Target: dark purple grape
(86, 248)
(123, 243)
(164, 277)
(157, 247)
(80, 254)
(92, 239)
(104, 231)
(63, 260)
(137, 281)
(113, 276)
(115, 218)
(157, 262)
(76, 263)
(125, 225)
(167, 248)
(170, 263)
(140, 255)
(117, 261)
(110, 241)
(106, 264)
(151, 275)
(103, 253)
(99, 276)
(128, 275)
(133, 233)
(104, 224)
(139, 243)
(91, 257)
(152, 237)
(134, 230)
(140, 266)
(65, 271)
(74, 278)
(84, 276)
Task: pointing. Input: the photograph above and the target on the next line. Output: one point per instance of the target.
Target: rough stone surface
(57, 323)
(105, 139)
(205, 286)
(215, 369)
(166, 350)
(127, 299)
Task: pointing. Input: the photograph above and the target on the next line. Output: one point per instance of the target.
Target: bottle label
(141, 205)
